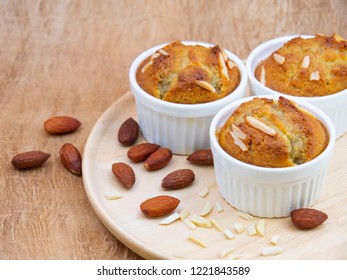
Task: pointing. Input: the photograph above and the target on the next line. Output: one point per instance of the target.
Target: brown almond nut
(178, 179)
(71, 158)
(29, 159)
(159, 159)
(61, 125)
(124, 173)
(159, 205)
(141, 152)
(128, 132)
(306, 218)
(201, 157)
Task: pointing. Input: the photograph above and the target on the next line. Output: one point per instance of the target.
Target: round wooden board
(153, 241)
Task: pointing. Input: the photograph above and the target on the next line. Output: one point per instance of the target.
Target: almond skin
(159, 205)
(178, 179)
(128, 132)
(201, 157)
(141, 152)
(124, 173)
(71, 158)
(159, 159)
(306, 218)
(61, 125)
(29, 159)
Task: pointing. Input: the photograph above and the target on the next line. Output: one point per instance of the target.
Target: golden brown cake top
(307, 67)
(188, 74)
(270, 133)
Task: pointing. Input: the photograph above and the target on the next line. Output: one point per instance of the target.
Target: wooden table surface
(72, 58)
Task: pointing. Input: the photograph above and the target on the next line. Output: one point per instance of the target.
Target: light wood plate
(153, 241)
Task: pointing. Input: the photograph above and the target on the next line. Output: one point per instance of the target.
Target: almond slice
(231, 64)
(203, 193)
(163, 52)
(155, 55)
(112, 196)
(270, 251)
(305, 61)
(238, 132)
(252, 230)
(170, 219)
(238, 142)
(205, 85)
(240, 228)
(207, 209)
(338, 38)
(262, 75)
(219, 207)
(245, 216)
(225, 57)
(260, 126)
(179, 256)
(144, 68)
(200, 221)
(275, 239)
(314, 76)
(234, 257)
(184, 213)
(228, 234)
(223, 67)
(261, 227)
(189, 223)
(197, 240)
(217, 225)
(225, 252)
(280, 59)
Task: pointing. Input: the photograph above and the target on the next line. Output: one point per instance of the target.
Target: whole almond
(178, 179)
(159, 205)
(158, 159)
(201, 157)
(128, 132)
(61, 125)
(124, 173)
(71, 158)
(306, 218)
(141, 152)
(29, 159)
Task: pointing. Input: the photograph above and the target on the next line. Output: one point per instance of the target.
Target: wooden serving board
(153, 241)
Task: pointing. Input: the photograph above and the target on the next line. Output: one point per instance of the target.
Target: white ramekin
(334, 105)
(183, 128)
(269, 192)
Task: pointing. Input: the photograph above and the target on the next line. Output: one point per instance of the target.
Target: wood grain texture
(72, 58)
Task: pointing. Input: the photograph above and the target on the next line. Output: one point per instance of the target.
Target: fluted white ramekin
(269, 192)
(183, 128)
(334, 105)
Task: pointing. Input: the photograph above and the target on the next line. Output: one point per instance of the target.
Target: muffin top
(306, 67)
(188, 74)
(270, 133)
